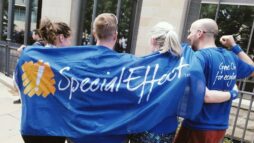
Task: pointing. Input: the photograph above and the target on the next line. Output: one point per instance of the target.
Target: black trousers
(43, 139)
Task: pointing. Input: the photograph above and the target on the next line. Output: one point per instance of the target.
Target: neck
(109, 44)
(50, 45)
(207, 43)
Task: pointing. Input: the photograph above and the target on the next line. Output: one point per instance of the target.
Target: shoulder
(228, 54)
(39, 43)
(206, 54)
(210, 52)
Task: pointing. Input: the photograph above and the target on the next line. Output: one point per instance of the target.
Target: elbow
(252, 75)
(207, 99)
(208, 96)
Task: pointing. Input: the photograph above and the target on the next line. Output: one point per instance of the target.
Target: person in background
(37, 38)
(221, 68)
(38, 42)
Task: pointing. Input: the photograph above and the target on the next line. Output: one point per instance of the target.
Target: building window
(19, 20)
(20, 13)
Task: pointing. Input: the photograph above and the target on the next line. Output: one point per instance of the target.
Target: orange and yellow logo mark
(38, 78)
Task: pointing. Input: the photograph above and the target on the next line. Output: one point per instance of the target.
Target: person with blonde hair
(164, 39)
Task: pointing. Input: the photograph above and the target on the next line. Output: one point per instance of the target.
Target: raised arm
(229, 42)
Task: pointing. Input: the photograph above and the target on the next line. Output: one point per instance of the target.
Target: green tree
(208, 11)
(232, 19)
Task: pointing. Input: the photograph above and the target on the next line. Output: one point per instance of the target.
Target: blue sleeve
(243, 69)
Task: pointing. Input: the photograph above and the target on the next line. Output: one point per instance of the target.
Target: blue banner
(92, 90)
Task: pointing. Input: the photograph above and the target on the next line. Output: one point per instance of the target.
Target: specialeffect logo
(38, 79)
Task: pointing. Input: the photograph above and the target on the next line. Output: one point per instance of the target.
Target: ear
(115, 36)
(154, 46)
(200, 34)
(94, 35)
(152, 41)
(61, 38)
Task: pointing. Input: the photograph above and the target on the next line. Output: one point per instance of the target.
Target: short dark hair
(36, 31)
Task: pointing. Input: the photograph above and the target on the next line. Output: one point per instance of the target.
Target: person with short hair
(221, 68)
(38, 42)
(105, 32)
(37, 38)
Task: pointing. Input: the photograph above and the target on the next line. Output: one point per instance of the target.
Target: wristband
(236, 49)
(233, 94)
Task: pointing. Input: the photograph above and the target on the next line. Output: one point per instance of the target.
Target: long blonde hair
(167, 39)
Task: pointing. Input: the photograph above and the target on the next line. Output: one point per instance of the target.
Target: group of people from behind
(211, 124)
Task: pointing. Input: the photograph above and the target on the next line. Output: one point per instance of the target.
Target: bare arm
(229, 42)
(243, 56)
(21, 48)
(215, 96)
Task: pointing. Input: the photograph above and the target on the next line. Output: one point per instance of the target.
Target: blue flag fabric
(92, 90)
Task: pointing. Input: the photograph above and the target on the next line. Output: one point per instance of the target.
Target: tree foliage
(232, 19)
(110, 6)
(236, 20)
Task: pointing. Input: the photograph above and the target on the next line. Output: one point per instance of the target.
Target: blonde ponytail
(166, 38)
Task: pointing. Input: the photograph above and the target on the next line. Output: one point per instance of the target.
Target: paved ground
(9, 113)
